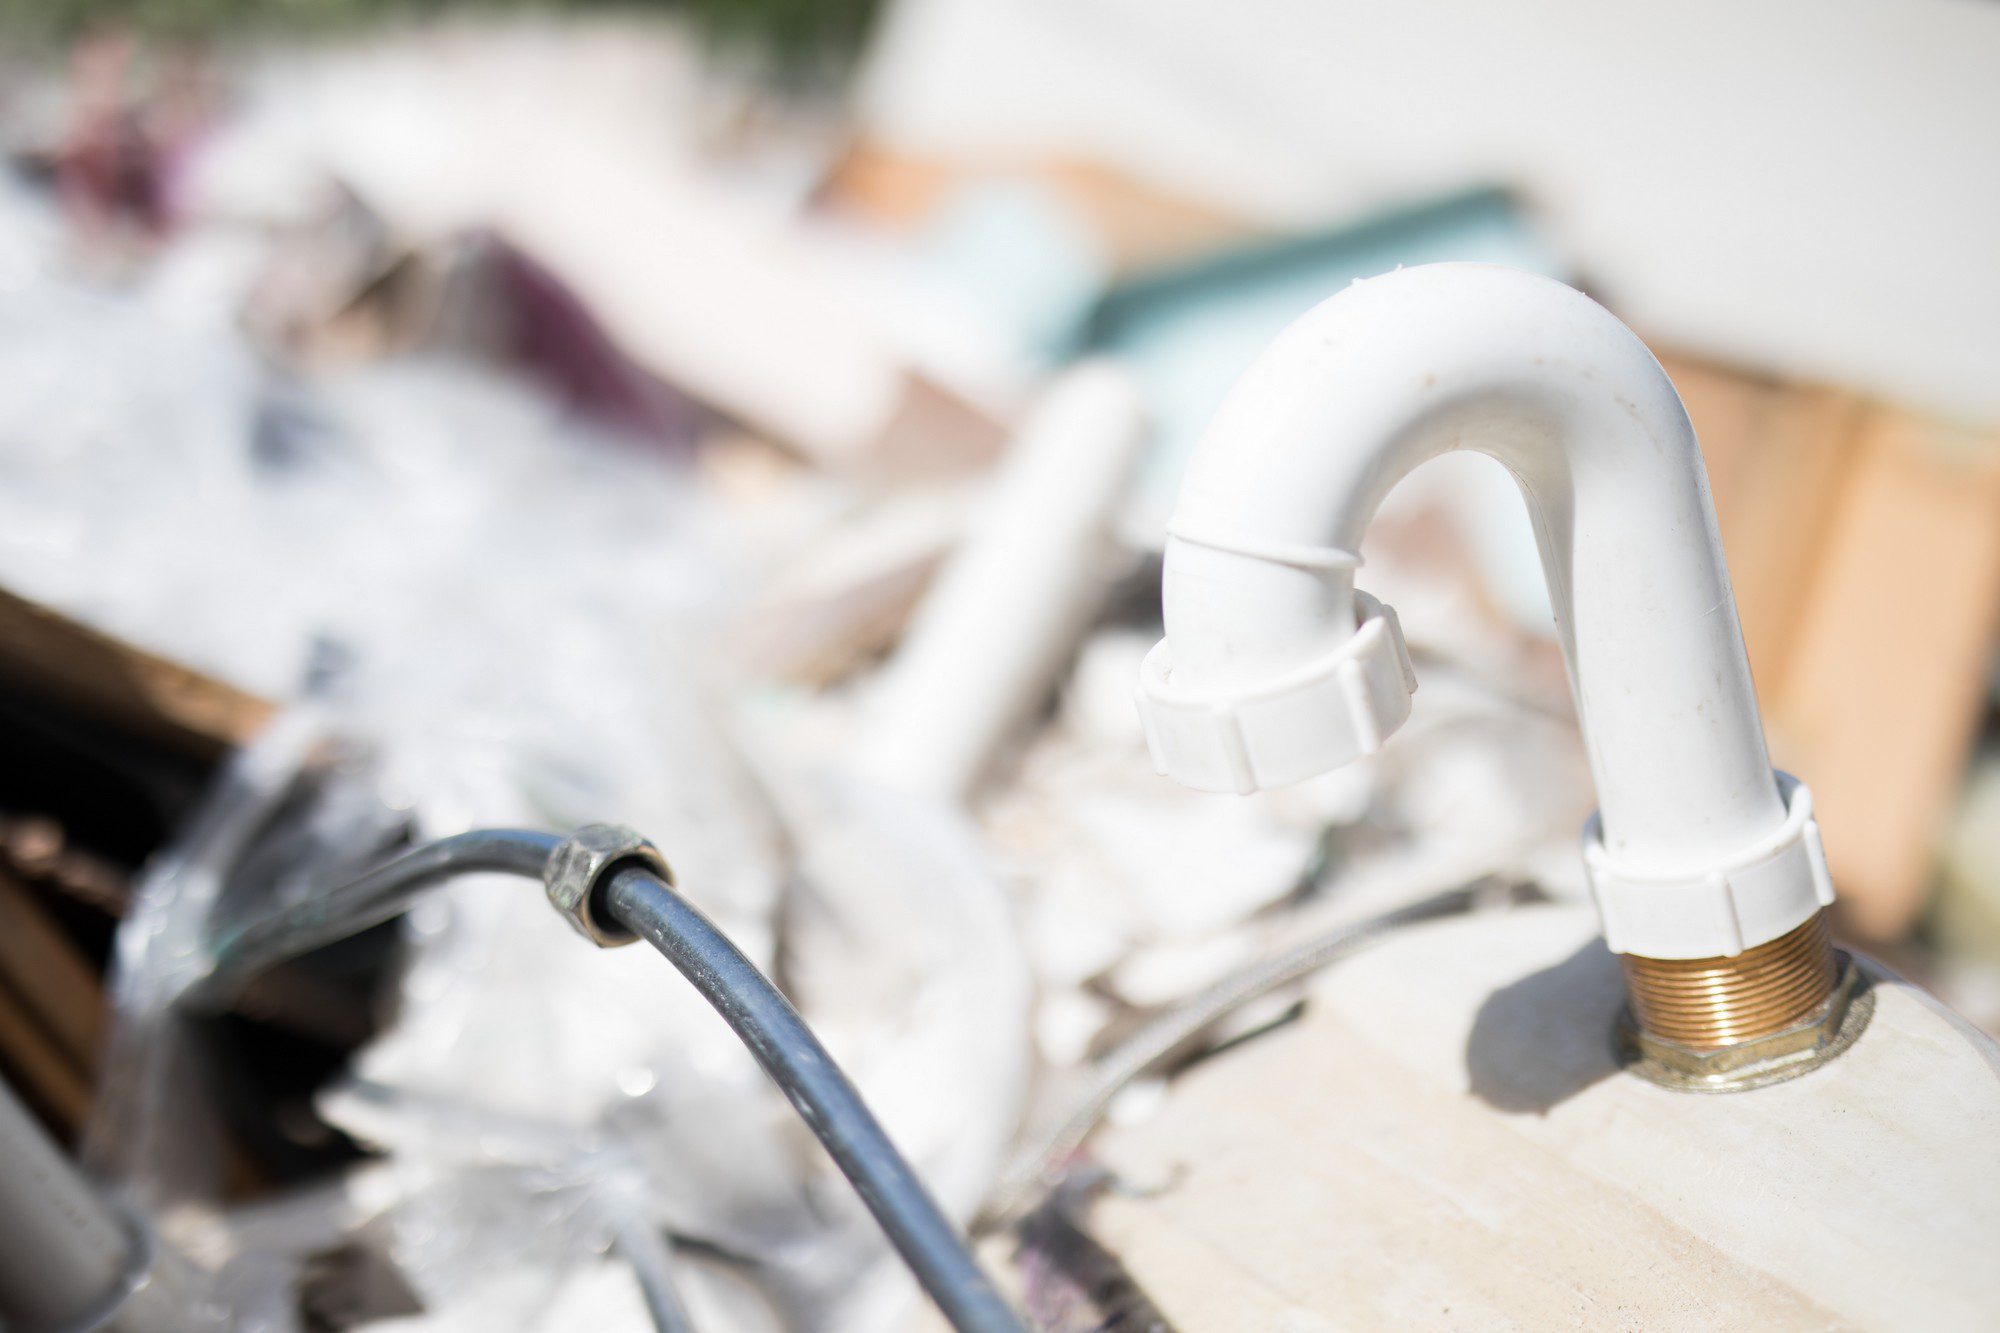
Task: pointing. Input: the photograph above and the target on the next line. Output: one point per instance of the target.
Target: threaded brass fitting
(1711, 1002)
(1772, 1012)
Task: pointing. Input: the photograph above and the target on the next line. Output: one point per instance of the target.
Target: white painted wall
(1812, 186)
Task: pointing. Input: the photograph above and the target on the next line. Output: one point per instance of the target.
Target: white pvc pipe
(1259, 574)
(1003, 614)
(66, 1259)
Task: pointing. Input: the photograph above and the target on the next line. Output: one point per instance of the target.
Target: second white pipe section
(991, 635)
(1259, 575)
(67, 1259)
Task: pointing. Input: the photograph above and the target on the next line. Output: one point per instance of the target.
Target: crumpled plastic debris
(498, 617)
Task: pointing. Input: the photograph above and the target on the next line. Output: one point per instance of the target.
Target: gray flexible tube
(798, 1064)
(651, 1259)
(360, 903)
(754, 1009)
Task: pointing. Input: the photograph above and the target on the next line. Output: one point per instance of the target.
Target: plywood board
(1881, 696)
(1776, 457)
(45, 652)
(1444, 1141)
(49, 975)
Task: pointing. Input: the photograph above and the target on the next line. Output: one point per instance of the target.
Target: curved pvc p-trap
(1274, 669)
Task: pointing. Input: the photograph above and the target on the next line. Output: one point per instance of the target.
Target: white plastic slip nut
(1771, 888)
(1299, 725)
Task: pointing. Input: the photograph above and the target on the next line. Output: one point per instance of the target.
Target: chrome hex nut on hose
(582, 866)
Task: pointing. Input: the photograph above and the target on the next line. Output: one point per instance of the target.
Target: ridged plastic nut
(1758, 895)
(581, 867)
(1297, 726)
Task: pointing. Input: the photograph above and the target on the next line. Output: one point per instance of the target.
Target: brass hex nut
(582, 866)
(1826, 1033)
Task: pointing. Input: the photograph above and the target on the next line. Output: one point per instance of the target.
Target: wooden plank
(1442, 1140)
(35, 1064)
(1783, 499)
(45, 652)
(1862, 548)
(1776, 457)
(1727, 408)
(50, 975)
(1137, 225)
(1882, 692)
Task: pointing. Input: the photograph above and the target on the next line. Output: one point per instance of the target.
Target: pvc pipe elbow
(1274, 669)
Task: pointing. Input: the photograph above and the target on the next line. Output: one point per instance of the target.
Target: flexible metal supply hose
(783, 1045)
(828, 1103)
(368, 900)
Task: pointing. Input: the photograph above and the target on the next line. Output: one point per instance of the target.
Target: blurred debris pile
(544, 421)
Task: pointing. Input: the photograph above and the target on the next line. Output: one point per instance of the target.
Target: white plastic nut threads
(1245, 739)
(1768, 890)
(1274, 668)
